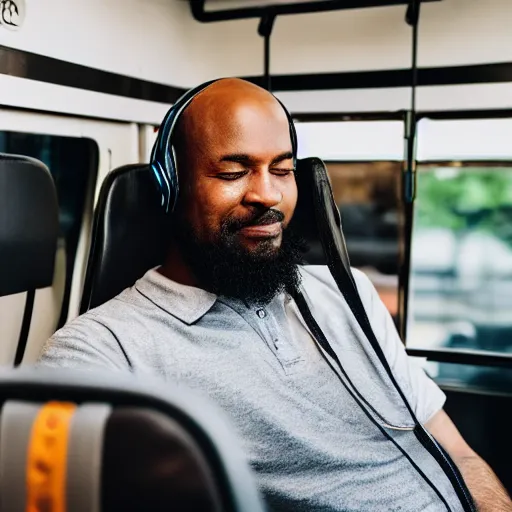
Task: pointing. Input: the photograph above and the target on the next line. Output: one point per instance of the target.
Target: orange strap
(47, 458)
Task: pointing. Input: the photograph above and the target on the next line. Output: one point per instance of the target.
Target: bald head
(221, 114)
(228, 94)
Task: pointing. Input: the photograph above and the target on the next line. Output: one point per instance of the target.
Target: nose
(263, 190)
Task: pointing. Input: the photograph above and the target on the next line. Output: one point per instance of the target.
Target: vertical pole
(265, 30)
(266, 76)
(409, 173)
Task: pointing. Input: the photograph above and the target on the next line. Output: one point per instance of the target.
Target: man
(218, 317)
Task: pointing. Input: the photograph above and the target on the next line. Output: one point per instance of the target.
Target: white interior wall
(447, 97)
(158, 40)
(441, 140)
(451, 32)
(142, 38)
(352, 141)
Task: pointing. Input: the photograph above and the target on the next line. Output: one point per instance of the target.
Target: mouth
(262, 231)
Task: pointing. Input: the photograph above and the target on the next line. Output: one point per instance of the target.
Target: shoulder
(107, 317)
(122, 313)
(99, 336)
(319, 276)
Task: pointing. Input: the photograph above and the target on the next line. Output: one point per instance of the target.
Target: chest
(256, 364)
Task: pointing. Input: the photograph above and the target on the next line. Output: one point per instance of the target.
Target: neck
(176, 269)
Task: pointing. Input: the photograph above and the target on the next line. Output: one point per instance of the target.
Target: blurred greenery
(466, 198)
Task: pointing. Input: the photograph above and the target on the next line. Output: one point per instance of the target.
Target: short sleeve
(424, 395)
(83, 343)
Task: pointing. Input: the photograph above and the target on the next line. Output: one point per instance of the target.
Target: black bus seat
(29, 225)
(129, 224)
(102, 442)
(127, 234)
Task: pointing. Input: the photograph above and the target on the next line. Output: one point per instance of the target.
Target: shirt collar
(187, 303)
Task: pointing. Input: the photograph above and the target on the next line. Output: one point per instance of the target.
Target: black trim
(336, 117)
(466, 114)
(25, 327)
(41, 68)
(499, 72)
(203, 16)
(64, 114)
(470, 357)
(55, 71)
(464, 388)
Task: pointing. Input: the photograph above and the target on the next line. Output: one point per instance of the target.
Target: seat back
(128, 235)
(91, 442)
(28, 241)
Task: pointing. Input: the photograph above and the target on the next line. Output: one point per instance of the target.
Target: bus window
(461, 263)
(73, 164)
(363, 159)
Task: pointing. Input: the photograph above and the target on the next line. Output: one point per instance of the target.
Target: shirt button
(261, 313)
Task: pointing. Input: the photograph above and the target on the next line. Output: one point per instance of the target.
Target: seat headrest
(128, 236)
(317, 218)
(29, 224)
(94, 440)
(122, 458)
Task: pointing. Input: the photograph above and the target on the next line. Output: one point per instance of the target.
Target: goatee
(226, 268)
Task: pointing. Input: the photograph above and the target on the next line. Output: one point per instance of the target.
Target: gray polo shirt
(310, 444)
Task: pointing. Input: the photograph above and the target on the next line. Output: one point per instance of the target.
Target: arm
(488, 492)
(427, 400)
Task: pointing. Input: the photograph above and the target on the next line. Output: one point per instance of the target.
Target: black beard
(226, 268)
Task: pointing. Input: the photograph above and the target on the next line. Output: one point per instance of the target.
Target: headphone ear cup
(163, 167)
(163, 157)
(162, 183)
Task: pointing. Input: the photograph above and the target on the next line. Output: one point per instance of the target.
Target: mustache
(256, 219)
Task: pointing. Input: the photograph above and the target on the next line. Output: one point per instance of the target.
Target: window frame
(470, 357)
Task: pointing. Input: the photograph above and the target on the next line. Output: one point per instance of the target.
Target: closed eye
(230, 176)
(282, 172)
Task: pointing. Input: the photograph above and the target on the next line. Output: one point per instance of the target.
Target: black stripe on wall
(453, 75)
(55, 71)
(322, 117)
(48, 69)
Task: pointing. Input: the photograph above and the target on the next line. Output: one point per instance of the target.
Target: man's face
(237, 195)
(240, 185)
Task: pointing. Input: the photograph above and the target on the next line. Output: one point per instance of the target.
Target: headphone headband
(163, 158)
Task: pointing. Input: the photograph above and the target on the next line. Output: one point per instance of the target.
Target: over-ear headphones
(163, 158)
